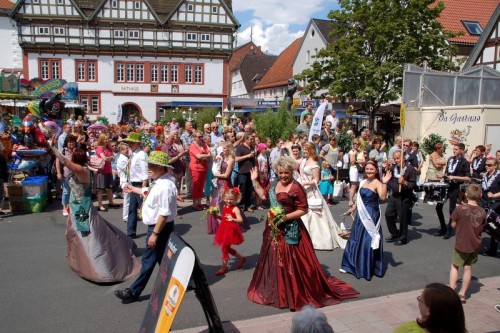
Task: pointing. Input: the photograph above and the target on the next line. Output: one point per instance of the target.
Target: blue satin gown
(359, 258)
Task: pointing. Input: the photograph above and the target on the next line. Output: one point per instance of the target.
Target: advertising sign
(317, 121)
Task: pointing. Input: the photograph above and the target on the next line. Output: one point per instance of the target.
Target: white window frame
(43, 30)
(114, 3)
(191, 37)
(154, 72)
(205, 37)
(190, 7)
(120, 73)
(188, 73)
(215, 9)
(174, 73)
(137, 5)
(129, 73)
(58, 31)
(139, 72)
(118, 33)
(133, 34)
(164, 73)
(36, 1)
(198, 74)
(60, 2)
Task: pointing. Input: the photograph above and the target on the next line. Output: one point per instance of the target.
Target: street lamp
(233, 119)
(184, 114)
(218, 118)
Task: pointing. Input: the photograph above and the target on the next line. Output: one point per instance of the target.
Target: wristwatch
(155, 233)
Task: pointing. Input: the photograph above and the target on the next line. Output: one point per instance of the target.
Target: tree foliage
(429, 141)
(275, 125)
(373, 42)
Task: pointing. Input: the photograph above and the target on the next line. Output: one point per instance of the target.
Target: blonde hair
(311, 149)
(234, 191)
(325, 165)
(285, 162)
(102, 139)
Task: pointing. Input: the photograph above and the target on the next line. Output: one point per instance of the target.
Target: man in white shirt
(215, 136)
(158, 213)
(137, 176)
(121, 167)
(332, 118)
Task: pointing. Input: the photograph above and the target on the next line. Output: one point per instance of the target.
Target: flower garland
(275, 217)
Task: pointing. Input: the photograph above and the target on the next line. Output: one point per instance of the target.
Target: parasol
(97, 127)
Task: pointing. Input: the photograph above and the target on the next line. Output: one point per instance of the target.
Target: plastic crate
(35, 205)
(35, 187)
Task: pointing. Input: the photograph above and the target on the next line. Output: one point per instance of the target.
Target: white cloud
(272, 12)
(272, 39)
(276, 23)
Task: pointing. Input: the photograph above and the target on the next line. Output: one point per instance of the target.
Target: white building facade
(143, 56)
(11, 59)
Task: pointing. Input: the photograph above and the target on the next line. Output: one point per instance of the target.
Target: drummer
(457, 171)
(491, 194)
(478, 162)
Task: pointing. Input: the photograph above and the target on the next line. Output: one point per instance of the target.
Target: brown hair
(79, 156)
(474, 192)
(311, 149)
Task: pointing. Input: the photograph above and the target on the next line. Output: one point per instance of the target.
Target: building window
(308, 56)
(35, 1)
(215, 10)
(473, 27)
(133, 34)
(139, 73)
(114, 4)
(190, 8)
(119, 33)
(43, 30)
(198, 74)
(60, 2)
(137, 5)
(92, 102)
(120, 73)
(154, 73)
(130, 73)
(49, 69)
(205, 37)
(188, 74)
(191, 37)
(86, 70)
(59, 31)
(174, 73)
(164, 73)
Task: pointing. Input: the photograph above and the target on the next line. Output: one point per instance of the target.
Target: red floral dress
(228, 233)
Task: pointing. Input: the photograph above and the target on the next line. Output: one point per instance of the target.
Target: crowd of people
(232, 171)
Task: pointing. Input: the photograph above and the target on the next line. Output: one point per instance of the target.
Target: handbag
(95, 162)
(315, 203)
(360, 168)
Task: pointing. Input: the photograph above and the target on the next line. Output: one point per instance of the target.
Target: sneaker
(65, 212)
(497, 307)
(329, 204)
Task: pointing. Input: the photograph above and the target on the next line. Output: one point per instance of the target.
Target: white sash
(370, 226)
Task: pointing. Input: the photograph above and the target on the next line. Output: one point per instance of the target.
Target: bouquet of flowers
(275, 218)
(212, 210)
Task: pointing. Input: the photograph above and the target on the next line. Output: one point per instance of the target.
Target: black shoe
(126, 295)
(446, 235)
(490, 254)
(399, 243)
(133, 236)
(391, 239)
(439, 234)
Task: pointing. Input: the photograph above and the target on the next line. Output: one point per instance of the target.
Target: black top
(245, 165)
(409, 175)
(457, 167)
(412, 158)
(478, 166)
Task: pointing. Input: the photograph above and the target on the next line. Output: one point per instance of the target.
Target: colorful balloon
(40, 137)
(35, 110)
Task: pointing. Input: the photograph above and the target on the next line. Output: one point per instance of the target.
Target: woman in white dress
(319, 222)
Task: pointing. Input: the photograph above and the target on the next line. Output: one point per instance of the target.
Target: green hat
(133, 137)
(159, 158)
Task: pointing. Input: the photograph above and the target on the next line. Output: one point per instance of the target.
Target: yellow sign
(402, 115)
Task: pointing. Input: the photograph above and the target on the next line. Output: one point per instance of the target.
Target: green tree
(275, 125)
(373, 40)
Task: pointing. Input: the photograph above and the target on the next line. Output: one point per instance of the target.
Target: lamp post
(225, 116)
(218, 118)
(233, 119)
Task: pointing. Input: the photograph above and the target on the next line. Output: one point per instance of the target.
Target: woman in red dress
(288, 273)
(199, 156)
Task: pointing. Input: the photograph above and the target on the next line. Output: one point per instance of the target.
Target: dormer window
(190, 8)
(473, 27)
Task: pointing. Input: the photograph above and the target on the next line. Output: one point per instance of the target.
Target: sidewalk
(382, 314)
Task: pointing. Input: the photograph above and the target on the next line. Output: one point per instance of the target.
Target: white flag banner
(119, 114)
(317, 121)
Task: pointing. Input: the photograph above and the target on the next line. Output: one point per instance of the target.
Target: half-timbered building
(145, 56)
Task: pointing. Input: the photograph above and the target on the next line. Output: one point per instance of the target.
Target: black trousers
(246, 188)
(398, 210)
(453, 192)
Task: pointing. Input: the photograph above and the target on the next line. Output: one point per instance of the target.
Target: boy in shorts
(468, 219)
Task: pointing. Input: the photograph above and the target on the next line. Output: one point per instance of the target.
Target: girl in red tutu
(229, 232)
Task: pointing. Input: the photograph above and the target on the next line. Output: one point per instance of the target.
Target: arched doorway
(130, 110)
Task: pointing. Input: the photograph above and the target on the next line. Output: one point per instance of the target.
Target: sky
(275, 24)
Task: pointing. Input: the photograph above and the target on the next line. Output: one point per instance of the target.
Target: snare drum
(492, 226)
(436, 192)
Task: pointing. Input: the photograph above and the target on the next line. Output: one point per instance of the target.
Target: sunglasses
(490, 164)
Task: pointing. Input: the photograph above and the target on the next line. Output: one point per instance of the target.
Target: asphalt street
(40, 292)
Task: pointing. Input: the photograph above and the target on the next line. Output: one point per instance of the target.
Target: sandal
(101, 209)
(221, 271)
(462, 299)
(241, 263)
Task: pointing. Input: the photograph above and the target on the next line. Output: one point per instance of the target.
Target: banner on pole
(317, 122)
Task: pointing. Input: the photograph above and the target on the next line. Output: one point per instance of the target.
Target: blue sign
(268, 103)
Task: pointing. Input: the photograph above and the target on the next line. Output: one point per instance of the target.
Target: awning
(191, 104)
(24, 103)
(244, 102)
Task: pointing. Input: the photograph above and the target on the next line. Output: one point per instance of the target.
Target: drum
(461, 194)
(435, 192)
(492, 226)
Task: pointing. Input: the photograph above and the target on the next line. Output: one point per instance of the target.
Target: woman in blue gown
(363, 254)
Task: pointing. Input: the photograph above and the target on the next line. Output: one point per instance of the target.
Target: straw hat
(159, 158)
(133, 137)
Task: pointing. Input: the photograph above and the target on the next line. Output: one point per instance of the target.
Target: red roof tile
(240, 52)
(469, 10)
(281, 70)
(6, 4)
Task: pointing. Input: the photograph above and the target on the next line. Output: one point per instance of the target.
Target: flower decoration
(212, 210)
(275, 217)
(81, 215)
